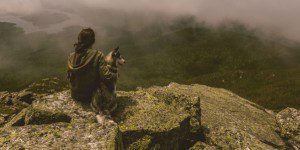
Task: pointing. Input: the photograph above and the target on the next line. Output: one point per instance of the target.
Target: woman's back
(83, 72)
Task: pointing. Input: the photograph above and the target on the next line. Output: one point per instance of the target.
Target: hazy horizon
(273, 16)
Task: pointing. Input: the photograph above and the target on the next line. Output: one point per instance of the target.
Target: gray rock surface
(154, 118)
(231, 121)
(226, 120)
(289, 123)
(171, 117)
(81, 133)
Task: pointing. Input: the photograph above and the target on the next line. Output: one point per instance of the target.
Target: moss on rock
(142, 143)
(171, 117)
(177, 116)
(47, 124)
(59, 136)
(47, 86)
(202, 146)
(167, 121)
(37, 116)
(289, 126)
(34, 116)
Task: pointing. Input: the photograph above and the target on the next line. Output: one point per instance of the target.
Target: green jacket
(86, 71)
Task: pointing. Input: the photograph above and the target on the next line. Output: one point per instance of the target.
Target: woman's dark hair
(86, 39)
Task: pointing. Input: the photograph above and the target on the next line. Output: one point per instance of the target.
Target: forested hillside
(261, 68)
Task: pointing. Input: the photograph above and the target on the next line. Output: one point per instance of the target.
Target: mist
(273, 16)
(249, 47)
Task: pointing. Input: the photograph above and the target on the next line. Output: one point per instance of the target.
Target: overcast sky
(278, 16)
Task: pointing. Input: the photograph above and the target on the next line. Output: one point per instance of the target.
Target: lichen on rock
(59, 136)
(202, 146)
(166, 120)
(289, 126)
(57, 122)
(177, 116)
(46, 86)
(170, 117)
(142, 143)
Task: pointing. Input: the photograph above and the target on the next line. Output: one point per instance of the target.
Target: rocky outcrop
(178, 116)
(171, 117)
(153, 118)
(289, 125)
(12, 103)
(37, 116)
(47, 86)
(55, 121)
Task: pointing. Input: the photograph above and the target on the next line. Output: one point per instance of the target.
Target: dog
(113, 60)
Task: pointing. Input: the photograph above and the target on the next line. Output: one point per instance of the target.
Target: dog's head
(117, 57)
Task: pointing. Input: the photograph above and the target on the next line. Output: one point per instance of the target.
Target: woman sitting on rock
(89, 76)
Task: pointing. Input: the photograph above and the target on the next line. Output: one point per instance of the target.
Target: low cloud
(276, 16)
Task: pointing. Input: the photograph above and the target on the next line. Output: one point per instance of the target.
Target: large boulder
(150, 118)
(178, 116)
(12, 103)
(289, 123)
(171, 117)
(230, 121)
(57, 122)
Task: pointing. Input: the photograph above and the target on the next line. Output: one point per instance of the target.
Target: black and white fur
(114, 59)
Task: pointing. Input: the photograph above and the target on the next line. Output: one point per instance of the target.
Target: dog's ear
(117, 48)
(116, 52)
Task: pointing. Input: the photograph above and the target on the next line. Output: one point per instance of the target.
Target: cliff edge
(171, 117)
